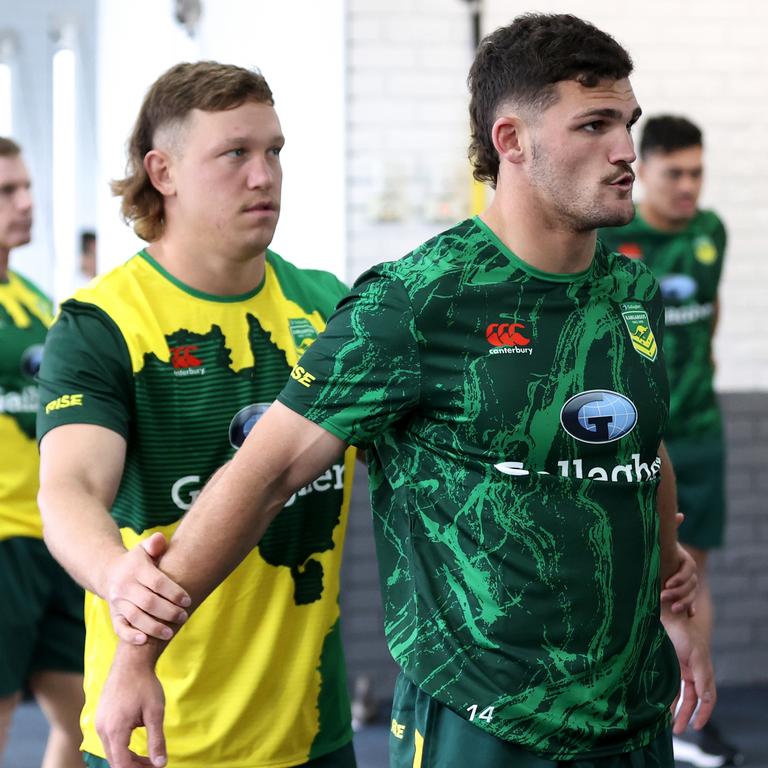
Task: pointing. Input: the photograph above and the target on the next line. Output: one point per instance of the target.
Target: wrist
(138, 657)
(110, 556)
(669, 617)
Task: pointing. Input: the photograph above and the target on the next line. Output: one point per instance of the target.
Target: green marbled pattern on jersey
(532, 598)
(688, 265)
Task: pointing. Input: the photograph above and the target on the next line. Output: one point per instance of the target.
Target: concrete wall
(740, 569)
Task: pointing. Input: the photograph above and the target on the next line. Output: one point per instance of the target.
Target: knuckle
(158, 630)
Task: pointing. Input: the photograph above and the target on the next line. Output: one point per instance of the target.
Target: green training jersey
(512, 419)
(25, 314)
(688, 265)
(256, 677)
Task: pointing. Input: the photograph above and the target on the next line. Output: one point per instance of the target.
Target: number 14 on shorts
(486, 714)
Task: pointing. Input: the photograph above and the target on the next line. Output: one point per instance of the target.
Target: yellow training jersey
(25, 315)
(256, 677)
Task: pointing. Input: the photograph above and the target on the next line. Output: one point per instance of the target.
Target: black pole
(476, 21)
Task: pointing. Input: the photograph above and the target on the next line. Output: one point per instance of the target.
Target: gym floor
(742, 715)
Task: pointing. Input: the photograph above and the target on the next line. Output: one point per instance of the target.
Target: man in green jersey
(684, 247)
(41, 610)
(153, 376)
(507, 380)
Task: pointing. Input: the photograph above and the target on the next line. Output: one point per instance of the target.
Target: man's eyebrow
(611, 114)
(244, 140)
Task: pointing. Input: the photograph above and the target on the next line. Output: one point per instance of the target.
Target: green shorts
(426, 734)
(700, 471)
(341, 758)
(41, 615)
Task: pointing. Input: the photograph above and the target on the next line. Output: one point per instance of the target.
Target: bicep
(287, 449)
(85, 456)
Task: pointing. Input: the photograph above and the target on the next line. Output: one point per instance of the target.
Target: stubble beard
(568, 206)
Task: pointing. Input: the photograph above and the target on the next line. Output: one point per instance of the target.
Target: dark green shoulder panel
(629, 272)
(709, 223)
(314, 290)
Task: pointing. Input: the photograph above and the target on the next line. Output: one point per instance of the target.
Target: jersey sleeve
(336, 289)
(656, 313)
(363, 372)
(721, 240)
(86, 375)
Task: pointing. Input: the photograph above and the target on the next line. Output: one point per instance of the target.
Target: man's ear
(159, 167)
(509, 138)
(640, 169)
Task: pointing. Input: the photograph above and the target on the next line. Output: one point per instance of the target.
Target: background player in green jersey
(153, 376)
(684, 246)
(41, 610)
(508, 382)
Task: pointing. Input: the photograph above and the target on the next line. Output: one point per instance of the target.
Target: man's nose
(23, 200)
(260, 173)
(624, 148)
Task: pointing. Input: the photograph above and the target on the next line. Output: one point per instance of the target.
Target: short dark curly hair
(523, 62)
(668, 133)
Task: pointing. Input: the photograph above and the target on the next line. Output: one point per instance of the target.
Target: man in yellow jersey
(41, 612)
(154, 375)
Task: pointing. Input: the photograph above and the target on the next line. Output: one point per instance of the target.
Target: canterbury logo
(182, 357)
(506, 335)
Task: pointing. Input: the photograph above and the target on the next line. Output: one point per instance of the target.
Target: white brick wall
(407, 122)
(407, 66)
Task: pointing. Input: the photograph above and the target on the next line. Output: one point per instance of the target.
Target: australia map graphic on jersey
(190, 402)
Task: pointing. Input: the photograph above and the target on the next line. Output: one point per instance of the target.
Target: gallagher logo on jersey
(508, 339)
(598, 416)
(31, 360)
(680, 308)
(677, 289)
(243, 421)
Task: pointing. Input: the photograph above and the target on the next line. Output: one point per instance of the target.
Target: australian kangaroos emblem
(639, 327)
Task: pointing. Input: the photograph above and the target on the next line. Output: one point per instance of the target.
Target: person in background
(41, 610)
(684, 247)
(87, 266)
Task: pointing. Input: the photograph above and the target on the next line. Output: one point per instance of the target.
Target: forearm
(80, 470)
(79, 532)
(667, 509)
(220, 529)
(283, 453)
(226, 522)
